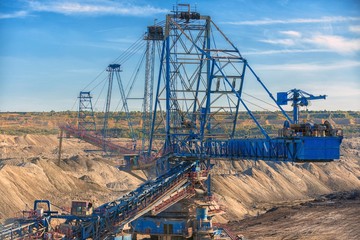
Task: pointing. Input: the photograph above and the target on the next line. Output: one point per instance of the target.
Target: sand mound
(251, 187)
(29, 170)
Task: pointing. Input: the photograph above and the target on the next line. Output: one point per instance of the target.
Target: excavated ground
(29, 170)
(333, 216)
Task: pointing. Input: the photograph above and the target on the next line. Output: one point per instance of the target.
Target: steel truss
(199, 86)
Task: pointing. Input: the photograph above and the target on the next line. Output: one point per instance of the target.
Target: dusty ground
(334, 216)
(29, 170)
(253, 187)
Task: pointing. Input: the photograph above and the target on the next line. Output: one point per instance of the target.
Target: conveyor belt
(154, 195)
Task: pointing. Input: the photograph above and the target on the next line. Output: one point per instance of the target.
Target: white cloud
(93, 8)
(335, 43)
(286, 42)
(341, 90)
(18, 14)
(291, 33)
(296, 21)
(355, 29)
(310, 66)
(284, 51)
(315, 43)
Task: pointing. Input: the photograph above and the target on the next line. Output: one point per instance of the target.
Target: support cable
(259, 99)
(254, 104)
(102, 89)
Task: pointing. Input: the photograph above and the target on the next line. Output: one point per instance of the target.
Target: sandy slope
(333, 216)
(29, 170)
(252, 187)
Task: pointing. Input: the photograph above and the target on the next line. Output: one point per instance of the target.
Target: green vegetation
(21, 123)
(24, 131)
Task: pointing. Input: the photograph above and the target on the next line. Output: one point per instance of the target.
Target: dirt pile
(252, 187)
(29, 170)
(334, 216)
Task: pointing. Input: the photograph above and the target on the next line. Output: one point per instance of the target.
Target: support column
(60, 146)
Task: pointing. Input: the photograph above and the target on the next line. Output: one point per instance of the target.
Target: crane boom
(299, 98)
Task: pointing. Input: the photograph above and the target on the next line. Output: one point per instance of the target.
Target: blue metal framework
(108, 219)
(199, 96)
(34, 224)
(299, 98)
(196, 94)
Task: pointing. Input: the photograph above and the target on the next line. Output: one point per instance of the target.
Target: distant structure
(299, 98)
(86, 118)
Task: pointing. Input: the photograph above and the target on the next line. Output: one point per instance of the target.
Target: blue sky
(50, 50)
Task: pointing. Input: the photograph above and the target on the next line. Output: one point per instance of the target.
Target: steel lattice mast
(114, 71)
(200, 83)
(86, 118)
(153, 36)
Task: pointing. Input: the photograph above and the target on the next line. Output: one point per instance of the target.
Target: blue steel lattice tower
(199, 86)
(200, 93)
